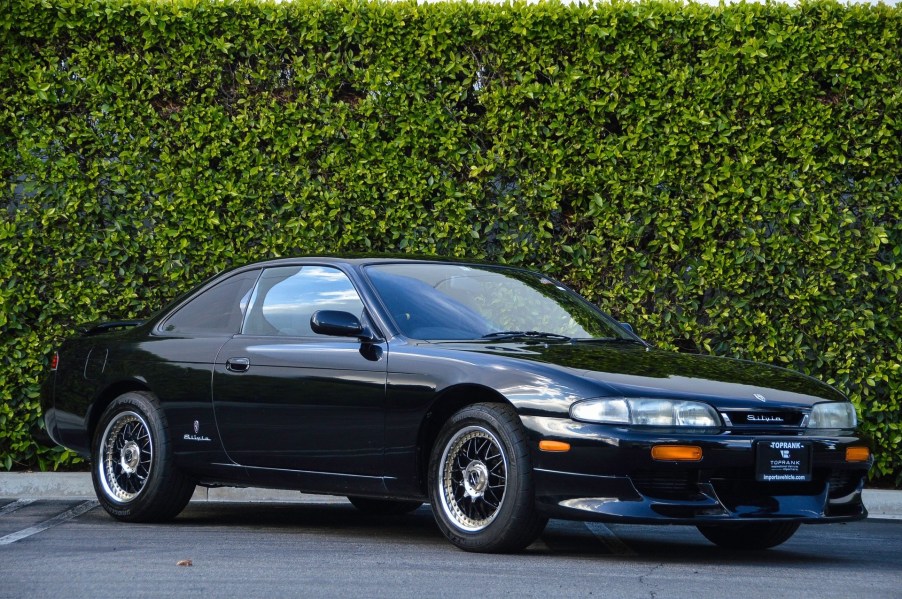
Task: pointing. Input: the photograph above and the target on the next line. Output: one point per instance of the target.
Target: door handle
(238, 364)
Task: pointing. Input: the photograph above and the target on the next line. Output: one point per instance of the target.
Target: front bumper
(609, 475)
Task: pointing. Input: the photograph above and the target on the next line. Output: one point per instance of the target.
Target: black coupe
(496, 394)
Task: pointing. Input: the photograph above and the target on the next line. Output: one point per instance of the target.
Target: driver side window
(286, 298)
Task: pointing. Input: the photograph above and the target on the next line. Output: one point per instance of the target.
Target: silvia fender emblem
(759, 397)
(196, 436)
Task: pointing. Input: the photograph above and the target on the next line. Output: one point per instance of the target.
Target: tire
(749, 536)
(384, 507)
(134, 477)
(480, 481)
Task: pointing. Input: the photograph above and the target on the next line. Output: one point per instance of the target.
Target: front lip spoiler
(615, 499)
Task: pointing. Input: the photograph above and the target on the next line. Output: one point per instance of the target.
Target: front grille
(765, 418)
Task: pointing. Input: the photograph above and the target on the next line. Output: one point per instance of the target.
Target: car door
(176, 361)
(286, 398)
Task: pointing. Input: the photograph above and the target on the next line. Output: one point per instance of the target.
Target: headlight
(840, 414)
(645, 411)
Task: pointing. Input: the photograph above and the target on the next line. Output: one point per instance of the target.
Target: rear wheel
(134, 477)
(749, 536)
(480, 481)
(384, 507)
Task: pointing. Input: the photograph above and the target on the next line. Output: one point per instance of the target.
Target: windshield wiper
(607, 340)
(525, 335)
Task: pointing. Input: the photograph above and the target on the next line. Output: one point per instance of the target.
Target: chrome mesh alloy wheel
(134, 474)
(472, 478)
(126, 457)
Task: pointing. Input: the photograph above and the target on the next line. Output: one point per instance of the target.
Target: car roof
(366, 260)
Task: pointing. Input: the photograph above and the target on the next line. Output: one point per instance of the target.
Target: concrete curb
(881, 504)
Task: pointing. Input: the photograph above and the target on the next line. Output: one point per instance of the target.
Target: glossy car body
(251, 396)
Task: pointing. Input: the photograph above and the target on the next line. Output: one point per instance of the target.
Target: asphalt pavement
(881, 504)
(72, 548)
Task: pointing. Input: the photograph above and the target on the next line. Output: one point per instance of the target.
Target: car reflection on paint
(496, 394)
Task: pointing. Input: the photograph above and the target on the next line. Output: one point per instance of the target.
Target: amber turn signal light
(546, 445)
(678, 453)
(857, 454)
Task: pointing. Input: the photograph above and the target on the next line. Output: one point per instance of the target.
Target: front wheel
(749, 536)
(134, 477)
(480, 481)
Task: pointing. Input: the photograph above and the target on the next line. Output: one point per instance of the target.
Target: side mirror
(339, 324)
(628, 327)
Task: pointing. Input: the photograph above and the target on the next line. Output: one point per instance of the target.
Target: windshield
(458, 302)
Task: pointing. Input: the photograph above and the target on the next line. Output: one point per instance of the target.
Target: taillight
(54, 361)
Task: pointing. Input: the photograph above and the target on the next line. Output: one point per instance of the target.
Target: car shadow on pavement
(670, 544)
(679, 545)
(339, 518)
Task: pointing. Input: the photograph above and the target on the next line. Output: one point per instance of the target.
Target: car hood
(633, 370)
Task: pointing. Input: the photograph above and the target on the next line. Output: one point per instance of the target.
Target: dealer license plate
(783, 461)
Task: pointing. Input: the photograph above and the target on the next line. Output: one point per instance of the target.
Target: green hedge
(726, 179)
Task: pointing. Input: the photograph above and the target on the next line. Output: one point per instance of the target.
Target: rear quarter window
(217, 311)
